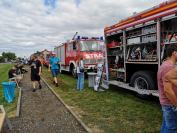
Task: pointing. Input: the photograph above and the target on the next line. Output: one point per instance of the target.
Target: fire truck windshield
(91, 45)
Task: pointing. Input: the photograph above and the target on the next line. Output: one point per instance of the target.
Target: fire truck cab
(90, 49)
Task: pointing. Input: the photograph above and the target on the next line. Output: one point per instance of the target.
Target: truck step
(126, 86)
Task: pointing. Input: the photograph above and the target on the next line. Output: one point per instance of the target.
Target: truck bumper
(90, 68)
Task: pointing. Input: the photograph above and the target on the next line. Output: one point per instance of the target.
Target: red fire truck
(91, 49)
(136, 47)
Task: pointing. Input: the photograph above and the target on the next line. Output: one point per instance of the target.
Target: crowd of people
(16, 73)
(166, 78)
(54, 67)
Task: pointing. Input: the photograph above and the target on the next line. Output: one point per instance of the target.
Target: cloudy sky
(30, 25)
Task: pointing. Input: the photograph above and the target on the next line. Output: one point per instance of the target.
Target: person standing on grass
(167, 86)
(54, 66)
(80, 74)
(35, 72)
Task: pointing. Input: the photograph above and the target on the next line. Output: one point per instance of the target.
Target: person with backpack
(80, 74)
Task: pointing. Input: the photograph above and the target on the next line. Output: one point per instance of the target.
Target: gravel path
(41, 112)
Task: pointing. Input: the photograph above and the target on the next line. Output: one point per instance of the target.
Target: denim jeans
(55, 72)
(80, 81)
(169, 123)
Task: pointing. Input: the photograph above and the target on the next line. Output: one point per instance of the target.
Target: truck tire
(143, 80)
(61, 71)
(74, 72)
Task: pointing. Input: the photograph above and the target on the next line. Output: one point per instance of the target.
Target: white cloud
(28, 26)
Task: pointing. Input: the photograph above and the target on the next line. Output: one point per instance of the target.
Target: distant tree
(1, 59)
(19, 58)
(37, 53)
(9, 55)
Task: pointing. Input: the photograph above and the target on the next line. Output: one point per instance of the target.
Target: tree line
(7, 56)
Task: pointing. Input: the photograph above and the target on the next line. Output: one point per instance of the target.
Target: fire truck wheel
(74, 73)
(143, 80)
(61, 71)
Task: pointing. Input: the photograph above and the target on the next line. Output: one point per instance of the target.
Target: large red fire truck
(90, 49)
(136, 47)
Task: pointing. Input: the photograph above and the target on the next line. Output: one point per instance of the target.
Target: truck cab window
(74, 46)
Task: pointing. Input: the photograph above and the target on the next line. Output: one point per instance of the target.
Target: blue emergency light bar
(95, 38)
(78, 37)
(84, 38)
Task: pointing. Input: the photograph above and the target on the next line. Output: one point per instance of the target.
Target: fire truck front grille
(86, 61)
(92, 61)
(100, 61)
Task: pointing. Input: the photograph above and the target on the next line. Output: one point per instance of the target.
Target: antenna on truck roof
(74, 35)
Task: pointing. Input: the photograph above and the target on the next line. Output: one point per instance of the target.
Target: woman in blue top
(54, 66)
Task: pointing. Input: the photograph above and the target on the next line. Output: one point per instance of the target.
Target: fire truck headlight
(85, 66)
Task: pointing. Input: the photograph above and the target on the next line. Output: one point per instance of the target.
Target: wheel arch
(143, 79)
(72, 69)
(133, 68)
(71, 65)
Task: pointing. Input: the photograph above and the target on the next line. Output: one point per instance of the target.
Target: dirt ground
(42, 112)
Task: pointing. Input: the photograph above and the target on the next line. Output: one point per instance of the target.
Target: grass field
(112, 111)
(9, 107)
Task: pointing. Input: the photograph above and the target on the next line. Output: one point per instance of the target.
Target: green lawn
(112, 111)
(9, 107)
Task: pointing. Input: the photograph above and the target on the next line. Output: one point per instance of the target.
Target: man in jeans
(167, 86)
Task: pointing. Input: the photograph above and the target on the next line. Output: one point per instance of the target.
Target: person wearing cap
(54, 66)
